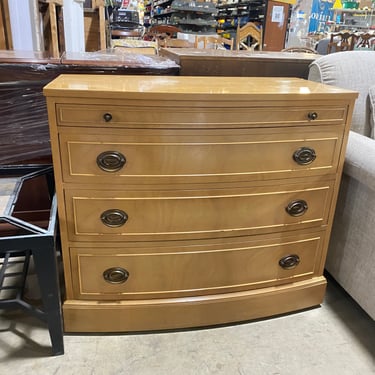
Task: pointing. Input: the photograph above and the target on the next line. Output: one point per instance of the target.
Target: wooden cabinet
(275, 25)
(190, 201)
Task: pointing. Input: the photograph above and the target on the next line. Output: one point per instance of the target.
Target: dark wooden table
(211, 62)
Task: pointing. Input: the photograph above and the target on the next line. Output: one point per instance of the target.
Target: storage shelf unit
(353, 19)
(230, 13)
(189, 16)
(194, 17)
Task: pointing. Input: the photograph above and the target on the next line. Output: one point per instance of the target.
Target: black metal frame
(39, 243)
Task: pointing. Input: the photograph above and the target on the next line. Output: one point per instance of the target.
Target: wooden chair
(299, 49)
(365, 41)
(214, 41)
(343, 41)
(249, 30)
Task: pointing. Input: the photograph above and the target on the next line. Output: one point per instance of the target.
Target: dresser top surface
(187, 88)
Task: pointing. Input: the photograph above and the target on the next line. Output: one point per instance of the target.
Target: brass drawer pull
(312, 115)
(114, 218)
(289, 262)
(116, 275)
(297, 207)
(304, 155)
(110, 161)
(107, 117)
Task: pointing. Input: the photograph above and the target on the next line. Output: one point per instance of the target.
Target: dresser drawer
(205, 115)
(197, 156)
(157, 215)
(171, 271)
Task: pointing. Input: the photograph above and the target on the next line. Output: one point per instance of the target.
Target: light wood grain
(201, 114)
(181, 271)
(178, 214)
(154, 314)
(191, 88)
(208, 175)
(199, 155)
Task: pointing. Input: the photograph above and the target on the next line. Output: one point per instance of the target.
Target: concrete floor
(336, 338)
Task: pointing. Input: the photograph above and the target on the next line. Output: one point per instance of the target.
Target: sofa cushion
(353, 70)
(371, 95)
(360, 159)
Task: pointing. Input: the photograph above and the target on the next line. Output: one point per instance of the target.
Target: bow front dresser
(193, 201)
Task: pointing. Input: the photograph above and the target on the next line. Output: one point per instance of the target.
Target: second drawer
(186, 214)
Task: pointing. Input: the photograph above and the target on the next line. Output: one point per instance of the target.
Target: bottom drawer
(195, 268)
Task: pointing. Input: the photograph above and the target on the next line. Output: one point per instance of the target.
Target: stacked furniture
(188, 201)
(24, 134)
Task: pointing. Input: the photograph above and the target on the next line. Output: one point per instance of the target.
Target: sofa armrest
(360, 159)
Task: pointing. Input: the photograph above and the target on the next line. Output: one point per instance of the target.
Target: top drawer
(83, 115)
(182, 156)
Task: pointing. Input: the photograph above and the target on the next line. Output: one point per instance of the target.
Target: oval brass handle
(116, 275)
(114, 218)
(297, 207)
(289, 262)
(304, 155)
(312, 115)
(107, 117)
(110, 161)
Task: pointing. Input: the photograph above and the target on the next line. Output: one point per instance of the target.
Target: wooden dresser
(193, 201)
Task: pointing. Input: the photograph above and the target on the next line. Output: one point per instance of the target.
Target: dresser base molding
(159, 314)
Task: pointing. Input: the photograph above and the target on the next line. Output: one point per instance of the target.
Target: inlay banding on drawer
(200, 157)
(192, 271)
(196, 213)
(195, 116)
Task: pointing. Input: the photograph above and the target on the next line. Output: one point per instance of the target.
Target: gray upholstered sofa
(351, 255)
